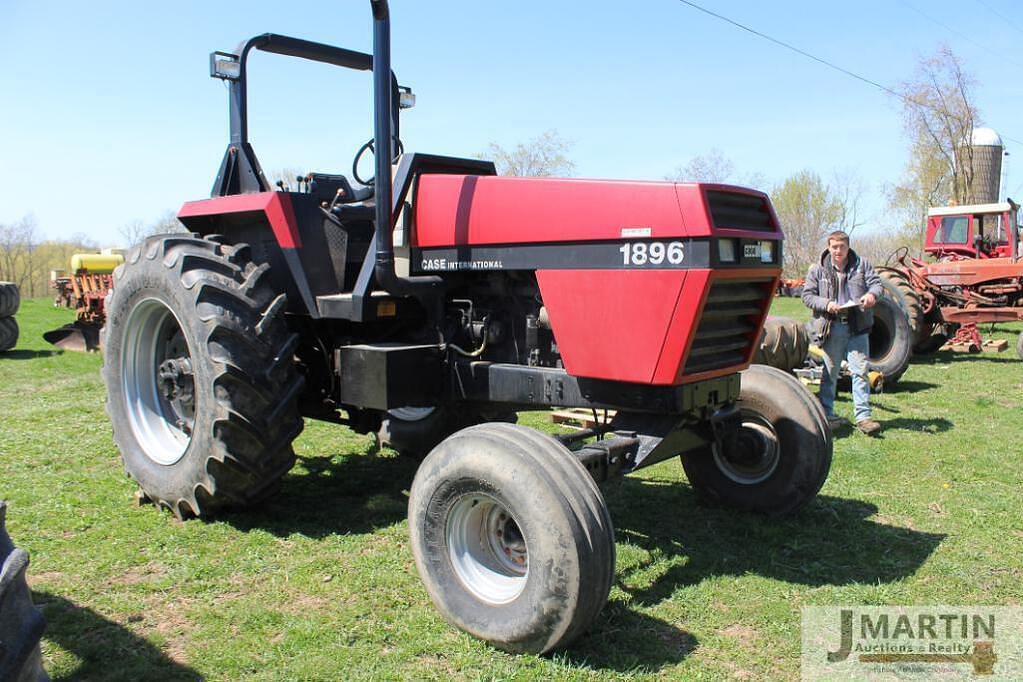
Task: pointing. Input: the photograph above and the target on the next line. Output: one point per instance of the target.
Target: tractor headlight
(728, 250)
(766, 252)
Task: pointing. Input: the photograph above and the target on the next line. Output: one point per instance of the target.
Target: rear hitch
(611, 457)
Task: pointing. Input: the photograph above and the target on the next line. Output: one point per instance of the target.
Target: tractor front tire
(511, 537)
(202, 390)
(10, 299)
(8, 333)
(781, 456)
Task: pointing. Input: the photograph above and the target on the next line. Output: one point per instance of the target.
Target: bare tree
(939, 117)
(136, 231)
(714, 167)
(18, 242)
(808, 210)
(545, 155)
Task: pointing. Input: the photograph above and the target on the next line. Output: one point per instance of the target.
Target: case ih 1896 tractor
(429, 305)
(976, 276)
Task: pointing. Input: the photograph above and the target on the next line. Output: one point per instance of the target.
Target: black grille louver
(726, 330)
(733, 211)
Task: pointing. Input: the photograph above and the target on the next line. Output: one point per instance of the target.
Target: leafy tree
(542, 156)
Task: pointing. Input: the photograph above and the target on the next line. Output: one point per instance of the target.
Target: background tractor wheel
(783, 344)
(781, 456)
(898, 289)
(21, 623)
(201, 386)
(10, 299)
(511, 537)
(891, 341)
(8, 333)
(414, 431)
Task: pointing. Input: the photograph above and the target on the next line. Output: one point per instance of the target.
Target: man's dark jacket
(819, 289)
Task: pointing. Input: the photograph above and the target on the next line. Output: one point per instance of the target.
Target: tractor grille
(726, 330)
(734, 211)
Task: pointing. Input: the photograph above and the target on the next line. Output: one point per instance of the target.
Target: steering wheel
(358, 157)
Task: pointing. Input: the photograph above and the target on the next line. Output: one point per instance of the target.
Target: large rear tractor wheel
(21, 623)
(891, 341)
(900, 291)
(8, 333)
(511, 537)
(10, 299)
(781, 456)
(783, 344)
(201, 386)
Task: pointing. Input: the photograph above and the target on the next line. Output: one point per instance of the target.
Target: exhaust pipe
(428, 290)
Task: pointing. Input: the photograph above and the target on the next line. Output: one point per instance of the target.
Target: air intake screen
(734, 211)
(726, 331)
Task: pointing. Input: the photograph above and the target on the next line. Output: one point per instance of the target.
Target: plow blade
(77, 336)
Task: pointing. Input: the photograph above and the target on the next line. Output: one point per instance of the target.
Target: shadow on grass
(335, 495)
(903, 386)
(831, 542)
(106, 650)
(936, 425)
(625, 640)
(28, 354)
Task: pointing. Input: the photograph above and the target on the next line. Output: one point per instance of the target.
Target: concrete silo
(987, 165)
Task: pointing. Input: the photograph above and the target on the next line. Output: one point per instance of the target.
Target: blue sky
(107, 114)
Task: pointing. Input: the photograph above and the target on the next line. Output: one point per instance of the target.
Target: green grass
(320, 583)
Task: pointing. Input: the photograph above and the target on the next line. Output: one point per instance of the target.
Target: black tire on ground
(201, 386)
(891, 341)
(782, 455)
(898, 289)
(414, 431)
(783, 344)
(511, 537)
(8, 333)
(10, 299)
(935, 338)
(21, 623)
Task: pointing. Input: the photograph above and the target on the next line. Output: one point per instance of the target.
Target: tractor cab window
(954, 230)
(992, 228)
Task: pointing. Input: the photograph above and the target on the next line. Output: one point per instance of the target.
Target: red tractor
(975, 277)
(430, 304)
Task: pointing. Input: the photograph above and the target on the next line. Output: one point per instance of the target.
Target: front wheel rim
(487, 550)
(755, 455)
(157, 380)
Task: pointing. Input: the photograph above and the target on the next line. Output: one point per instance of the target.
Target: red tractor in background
(975, 277)
(428, 305)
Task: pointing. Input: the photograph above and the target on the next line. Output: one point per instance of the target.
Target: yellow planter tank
(96, 263)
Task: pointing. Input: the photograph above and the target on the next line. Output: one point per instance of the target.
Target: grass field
(320, 583)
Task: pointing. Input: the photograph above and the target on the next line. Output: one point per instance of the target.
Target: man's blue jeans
(854, 349)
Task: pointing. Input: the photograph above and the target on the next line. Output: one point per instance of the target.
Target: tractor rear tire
(10, 299)
(21, 623)
(783, 344)
(202, 390)
(891, 341)
(511, 537)
(898, 289)
(936, 337)
(781, 457)
(8, 333)
(414, 431)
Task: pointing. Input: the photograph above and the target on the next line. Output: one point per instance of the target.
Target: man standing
(841, 290)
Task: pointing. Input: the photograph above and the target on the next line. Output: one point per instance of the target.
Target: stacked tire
(21, 623)
(10, 301)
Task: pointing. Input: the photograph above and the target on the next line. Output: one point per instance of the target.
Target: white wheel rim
(758, 452)
(411, 414)
(486, 548)
(161, 425)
